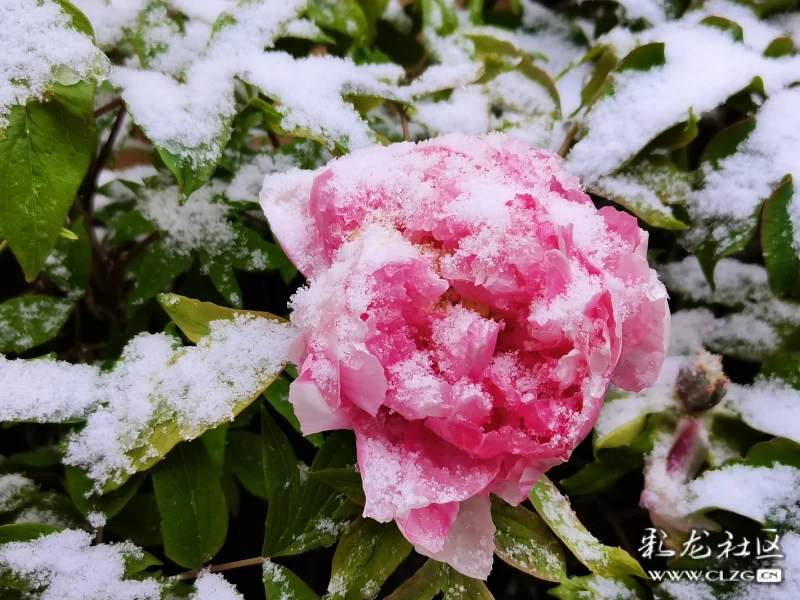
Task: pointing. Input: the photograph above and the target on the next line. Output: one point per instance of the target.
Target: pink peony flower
(467, 307)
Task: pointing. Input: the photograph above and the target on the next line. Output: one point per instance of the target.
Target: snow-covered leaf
(524, 541)
(28, 321)
(366, 555)
(557, 513)
(280, 583)
(434, 578)
(588, 587)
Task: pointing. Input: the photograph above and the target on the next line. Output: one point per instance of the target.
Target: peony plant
(402, 299)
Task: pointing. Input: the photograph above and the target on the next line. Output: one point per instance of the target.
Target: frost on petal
(469, 547)
(404, 467)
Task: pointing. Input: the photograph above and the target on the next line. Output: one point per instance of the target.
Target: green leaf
(25, 532)
(644, 58)
(159, 268)
(42, 458)
(523, 540)
(281, 584)
(557, 513)
(678, 136)
(245, 461)
(780, 46)
(192, 173)
(220, 270)
(139, 521)
(603, 588)
(110, 504)
(366, 555)
(435, 577)
(323, 513)
(346, 480)
(598, 83)
(194, 518)
(283, 483)
(647, 188)
(373, 11)
(28, 321)
(69, 266)
(778, 242)
(138, 562)
(734, 29)
(600, 475)
(739, 232)
(193, 316)
(277, 395)
(44, 154)
(54, 508)
(343, 16)
(215, 441)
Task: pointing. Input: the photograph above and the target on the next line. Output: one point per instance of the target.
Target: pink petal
(469, 547)
(312, 410)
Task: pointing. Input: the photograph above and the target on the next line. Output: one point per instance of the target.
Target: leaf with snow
(69, 265)
(64, 565)
(557, 513)
(28, 321)
(281, 584)
(366, 555)
(779, 239)
(648, 188)
(304, 512)
(343, 16)
(158, 394)
(523, 540)
(589, 587)
(642, 104)
(277, 395)
(434, 578)
(15, 492)
(770, 473)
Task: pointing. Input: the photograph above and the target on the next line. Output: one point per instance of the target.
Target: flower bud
(701, 384)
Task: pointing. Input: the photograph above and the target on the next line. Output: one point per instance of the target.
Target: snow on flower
(467, 307)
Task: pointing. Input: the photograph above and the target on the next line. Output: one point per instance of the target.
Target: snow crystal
(196, 387)
(396, 15)
(134, 174)
(12, 487)
(568, 527)
(760, 493)
(200, 223)
(39, 48)
(646, 103)
(44, 516)
(207, 10)
(44, 390)
(69, 567)
(210, 586)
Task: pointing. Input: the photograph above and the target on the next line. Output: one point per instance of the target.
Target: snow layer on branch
(704, 66)
(68, 567)
(46, 391)
(38, 48)
(738, 184)
(195, 387)
(210, 586)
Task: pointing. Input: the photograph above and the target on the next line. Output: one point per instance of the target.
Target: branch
(562, 151)
(101, 160)
(108, 107)
(248, 562)
(404, 122)
(128, 256)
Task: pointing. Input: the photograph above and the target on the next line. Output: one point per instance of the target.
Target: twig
(248, 562)
(562, 151)
(97, 247)
(108, 107)
(98, 536)
(100, 161)
(128, 256)
(404, 122)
